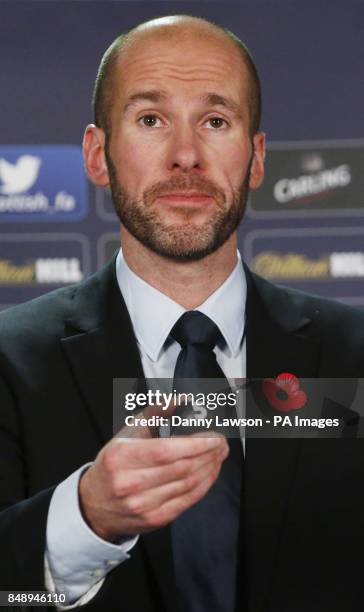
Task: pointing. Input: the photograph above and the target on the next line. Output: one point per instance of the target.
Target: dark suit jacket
(303, 526)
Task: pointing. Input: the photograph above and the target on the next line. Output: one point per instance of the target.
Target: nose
(184, 152)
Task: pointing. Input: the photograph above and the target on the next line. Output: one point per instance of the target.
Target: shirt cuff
(84, 599)
(77, 558)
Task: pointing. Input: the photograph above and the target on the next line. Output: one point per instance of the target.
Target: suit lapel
(100, 345)
(276, 343)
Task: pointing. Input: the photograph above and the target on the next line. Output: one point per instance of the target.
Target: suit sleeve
(22, 519)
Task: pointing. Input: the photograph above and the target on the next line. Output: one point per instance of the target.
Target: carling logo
(42, 183)
(322, 179)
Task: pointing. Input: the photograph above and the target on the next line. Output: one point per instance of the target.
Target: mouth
(186, 198)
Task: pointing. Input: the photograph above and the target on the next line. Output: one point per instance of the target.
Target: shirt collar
(153, 313)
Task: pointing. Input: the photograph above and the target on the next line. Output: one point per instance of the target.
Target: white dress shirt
(76, 559)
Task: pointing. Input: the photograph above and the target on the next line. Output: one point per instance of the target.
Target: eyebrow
(213, 99)
(210, 98)
(152, 95)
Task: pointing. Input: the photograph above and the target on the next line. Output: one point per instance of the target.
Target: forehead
(186, 62)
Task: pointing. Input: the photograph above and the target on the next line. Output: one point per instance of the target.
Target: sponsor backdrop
(303, 228)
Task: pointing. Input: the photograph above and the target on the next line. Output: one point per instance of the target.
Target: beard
(186, 240)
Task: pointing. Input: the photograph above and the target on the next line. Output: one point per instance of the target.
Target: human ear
(94, 155)
(257, 167)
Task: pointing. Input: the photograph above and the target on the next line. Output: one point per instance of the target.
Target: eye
(150, 121)
(216, 123)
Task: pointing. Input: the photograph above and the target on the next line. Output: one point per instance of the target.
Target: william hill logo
(290, 266)
(48, 270)
(296, 266)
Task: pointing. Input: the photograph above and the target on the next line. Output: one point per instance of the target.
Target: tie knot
(194, 327)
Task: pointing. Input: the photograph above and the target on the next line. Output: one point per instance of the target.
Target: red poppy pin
(284, 393)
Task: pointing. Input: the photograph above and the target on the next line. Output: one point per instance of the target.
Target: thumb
(150, 429)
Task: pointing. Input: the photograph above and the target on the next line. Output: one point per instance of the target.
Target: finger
(140, 430)
(148, 430)
(167, 512)
(162, 451)
(150, 500)
(148, 478)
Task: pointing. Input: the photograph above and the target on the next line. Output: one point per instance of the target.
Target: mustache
(195, 183)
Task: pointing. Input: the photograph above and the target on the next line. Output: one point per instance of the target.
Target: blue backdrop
(306, 226)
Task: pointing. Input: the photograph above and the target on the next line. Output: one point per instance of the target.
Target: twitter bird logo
(19, 177)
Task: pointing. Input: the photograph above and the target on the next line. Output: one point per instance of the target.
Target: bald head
(176, 28)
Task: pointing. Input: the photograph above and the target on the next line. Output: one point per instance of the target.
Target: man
(114, 523)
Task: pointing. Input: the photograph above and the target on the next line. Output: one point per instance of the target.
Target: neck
(188, 283)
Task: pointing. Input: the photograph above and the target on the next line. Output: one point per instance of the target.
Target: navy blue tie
(198, 335)
(205, 537)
